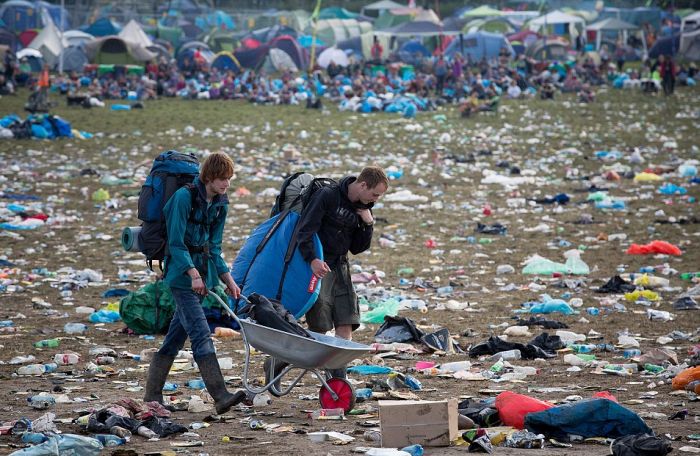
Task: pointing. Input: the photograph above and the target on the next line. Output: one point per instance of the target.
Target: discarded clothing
(586, 418)
(617, 285)
(496, 228)
(496, 345)
(541, 321)
(640, 445)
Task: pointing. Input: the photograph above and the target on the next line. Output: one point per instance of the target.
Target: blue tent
(479, 45)
(20, 15)
(412, 51)
(225, 61)
(8, 38)
(217, 19)
(351, 45)
(54, 11)
(102, 27)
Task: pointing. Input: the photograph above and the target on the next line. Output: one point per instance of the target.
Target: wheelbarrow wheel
(343, 389)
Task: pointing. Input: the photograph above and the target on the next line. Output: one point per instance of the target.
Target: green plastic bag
(376, 316)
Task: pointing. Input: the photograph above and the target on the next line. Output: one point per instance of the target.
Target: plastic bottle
(74, 328)
(262, 400)
(498, 366)
(526, 370)
(31, 369)
(506, 355)
(120, 431)
(50, 367)
(41, 402)
(413, 383)
(143, 431)
(689, 275)
(593, 311)
(414, 304)
(631, 353)
(584, 348)
(104, 360)
(653, 368)
(109, 440)
(363, 394)
(47, 343)
(455, 366)
(196, 383)
(63, 359)
(413, 450)
(444, 291)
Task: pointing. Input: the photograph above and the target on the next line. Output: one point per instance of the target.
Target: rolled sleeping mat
(130, 239)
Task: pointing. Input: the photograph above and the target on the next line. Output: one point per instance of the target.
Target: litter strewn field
(471, 204)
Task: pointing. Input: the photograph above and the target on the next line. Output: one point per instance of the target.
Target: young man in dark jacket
(341, 216)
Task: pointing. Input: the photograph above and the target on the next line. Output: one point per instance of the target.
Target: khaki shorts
(337, 302)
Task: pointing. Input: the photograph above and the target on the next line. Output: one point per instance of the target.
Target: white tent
(555, 17)
(48, 42)
(380, 6)
(133, 33)
(612, 24)
(76, 38)
(690, 22)
(333, 54)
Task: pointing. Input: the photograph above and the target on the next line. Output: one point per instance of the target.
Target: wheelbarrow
(307, 355)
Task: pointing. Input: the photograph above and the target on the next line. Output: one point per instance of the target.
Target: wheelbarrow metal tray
(321, 352)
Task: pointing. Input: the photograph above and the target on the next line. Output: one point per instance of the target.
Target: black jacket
(331, 214)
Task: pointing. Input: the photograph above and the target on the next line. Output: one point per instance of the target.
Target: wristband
(197, 278)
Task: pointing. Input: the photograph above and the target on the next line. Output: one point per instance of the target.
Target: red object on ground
(431, 244)
(513, 407)
(654, 247)
(605, 395)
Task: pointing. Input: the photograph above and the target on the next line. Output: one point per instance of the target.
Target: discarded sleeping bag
(640, 445)
(513, 407)
(587, 418)
(270, 313)
(260, 266)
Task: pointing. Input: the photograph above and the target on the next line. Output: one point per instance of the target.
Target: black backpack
(271, 313)
(297, 190)
(171, 171)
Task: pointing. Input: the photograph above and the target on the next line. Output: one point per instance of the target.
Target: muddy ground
(83, 234)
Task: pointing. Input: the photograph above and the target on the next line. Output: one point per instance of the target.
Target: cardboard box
(427, 423)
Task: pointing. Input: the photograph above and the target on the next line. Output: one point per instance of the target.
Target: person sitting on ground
(470, 105)
(547, 90)
(514, 90)
(490, 104)
(586, 94)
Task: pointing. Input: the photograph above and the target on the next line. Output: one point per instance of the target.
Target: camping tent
(690, 45)
(331, 31)
(610, 25)
(54, 12)
(290, 46)
(9, 39)
(412, 51)
(336, 12)
(333, 54)
(114, 50)
(416, 28)
(33, 58)
(102, 27)
(551, 49)
(133, 33)
(377, 8)
(482, 11)
(491, 24)
(225, 61)
(562, 23)
(690, 22)
(74, 58)
(20, 15)
(27, 37)
(48, 42)
(76, 38)
(479, 45)
(187, 51)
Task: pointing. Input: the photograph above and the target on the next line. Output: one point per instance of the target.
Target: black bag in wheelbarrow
(271, 313)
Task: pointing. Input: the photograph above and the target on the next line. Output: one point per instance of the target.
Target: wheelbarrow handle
(226, 308)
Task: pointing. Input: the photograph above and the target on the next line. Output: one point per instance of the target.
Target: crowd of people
(371, 85)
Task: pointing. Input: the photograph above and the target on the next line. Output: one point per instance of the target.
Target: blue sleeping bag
(587, 418)
(260, 266)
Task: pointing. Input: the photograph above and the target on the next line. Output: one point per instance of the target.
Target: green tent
(482, 11)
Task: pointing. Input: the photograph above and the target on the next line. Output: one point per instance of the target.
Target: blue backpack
(171, 170)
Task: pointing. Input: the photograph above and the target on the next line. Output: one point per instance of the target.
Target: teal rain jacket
(205, 228)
